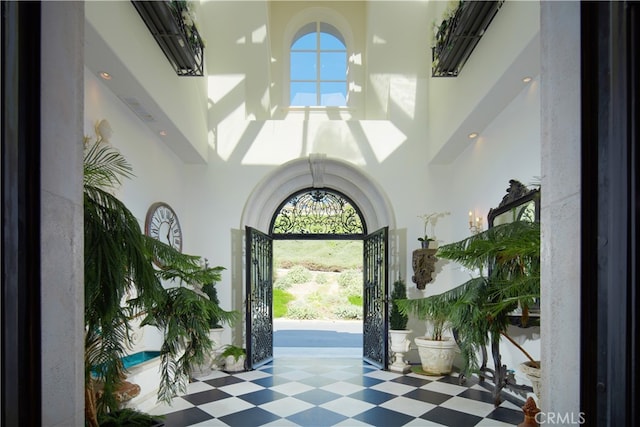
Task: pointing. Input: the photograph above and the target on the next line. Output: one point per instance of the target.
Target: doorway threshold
(317, 352)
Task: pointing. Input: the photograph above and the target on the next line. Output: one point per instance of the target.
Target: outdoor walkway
(317, 338)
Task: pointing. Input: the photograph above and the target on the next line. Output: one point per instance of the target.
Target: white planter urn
(533, 374)
(436, 357)
(231, 364)
(210, 363)
(216, 338)
(399, 345)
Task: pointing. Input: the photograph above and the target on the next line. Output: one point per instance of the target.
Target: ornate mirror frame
(519, 204)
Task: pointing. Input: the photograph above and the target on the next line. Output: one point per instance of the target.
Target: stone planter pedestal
(399, 345)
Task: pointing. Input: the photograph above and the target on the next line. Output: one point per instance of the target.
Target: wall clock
(162, 224)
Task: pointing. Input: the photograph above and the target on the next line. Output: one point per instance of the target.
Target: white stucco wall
(142, 75)
(159, 173)
(397, 58)
(491, 76)
(509, 148)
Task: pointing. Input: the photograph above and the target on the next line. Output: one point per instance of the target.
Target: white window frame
(318, 28)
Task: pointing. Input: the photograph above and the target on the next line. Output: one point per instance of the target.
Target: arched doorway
(335, 189)
(318, 171)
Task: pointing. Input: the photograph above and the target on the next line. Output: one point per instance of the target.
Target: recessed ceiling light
(105, 75)
(473, 135)
(163, 133)
(526, 79)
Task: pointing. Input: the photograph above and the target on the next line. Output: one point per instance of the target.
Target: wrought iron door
(375, 298)
(259, 298)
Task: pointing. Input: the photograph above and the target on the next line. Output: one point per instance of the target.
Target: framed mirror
(519, 204)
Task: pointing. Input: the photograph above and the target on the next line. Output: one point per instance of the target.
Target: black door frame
(259, 298)
(610, 213)
(21, 313)
(375, 296)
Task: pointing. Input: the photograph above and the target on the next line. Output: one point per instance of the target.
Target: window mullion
(318, 93)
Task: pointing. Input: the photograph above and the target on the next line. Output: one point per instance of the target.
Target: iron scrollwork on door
(318, 212)
(374, 326)
(259, 315)
(326, 214)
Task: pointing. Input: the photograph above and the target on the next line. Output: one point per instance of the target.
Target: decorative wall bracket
(458, 36)
(180, 41)
(424, 264)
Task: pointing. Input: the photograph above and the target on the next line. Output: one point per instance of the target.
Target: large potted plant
(398, 332)
(215, 323)
(121, 283)
(507, 258)
(216, 330)
(233, 357)
(436, 350)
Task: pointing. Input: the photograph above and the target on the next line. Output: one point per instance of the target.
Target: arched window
(318, 67)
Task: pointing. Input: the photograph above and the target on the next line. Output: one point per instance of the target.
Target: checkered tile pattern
(335, 392)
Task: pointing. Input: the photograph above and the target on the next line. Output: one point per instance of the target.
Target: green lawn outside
(318, 255)
(317, 279)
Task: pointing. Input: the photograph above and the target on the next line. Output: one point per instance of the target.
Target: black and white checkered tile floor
(335, 392)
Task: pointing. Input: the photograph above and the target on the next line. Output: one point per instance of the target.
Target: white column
(560, 207)
(62, 107)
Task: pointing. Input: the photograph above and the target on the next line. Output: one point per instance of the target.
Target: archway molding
(317, 171)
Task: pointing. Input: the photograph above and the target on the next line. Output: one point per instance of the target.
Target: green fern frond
(508, 260)
(121, 282)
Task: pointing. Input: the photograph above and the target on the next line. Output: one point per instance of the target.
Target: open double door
(259, 298)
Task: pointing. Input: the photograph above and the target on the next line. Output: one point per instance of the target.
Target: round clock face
(162, 224)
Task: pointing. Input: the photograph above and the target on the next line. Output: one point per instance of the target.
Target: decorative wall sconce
(475, 223)
(424, 265)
